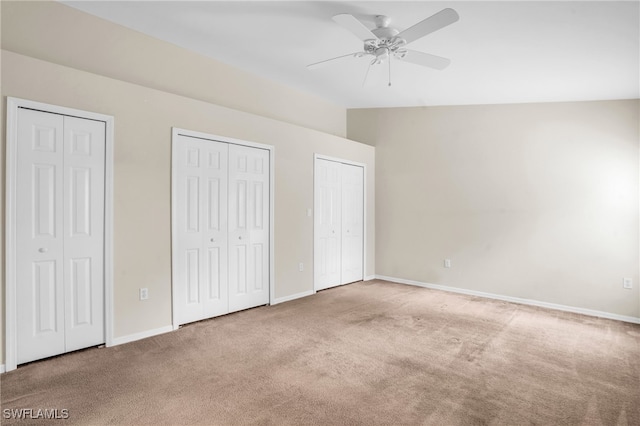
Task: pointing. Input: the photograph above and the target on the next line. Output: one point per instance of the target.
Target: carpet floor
(367, 353)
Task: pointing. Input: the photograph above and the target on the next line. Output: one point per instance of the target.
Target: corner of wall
(58, 33)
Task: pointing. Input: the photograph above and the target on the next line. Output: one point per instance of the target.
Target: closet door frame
(13, 105)
(316, 157)
(175, 132)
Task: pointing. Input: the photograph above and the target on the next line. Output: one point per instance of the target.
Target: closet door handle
(43, 250)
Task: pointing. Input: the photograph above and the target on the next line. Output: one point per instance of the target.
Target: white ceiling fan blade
(319, 64)
(425, 59)
(356, 27)
(433, 23)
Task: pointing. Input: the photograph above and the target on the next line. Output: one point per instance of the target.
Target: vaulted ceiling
(500, 51)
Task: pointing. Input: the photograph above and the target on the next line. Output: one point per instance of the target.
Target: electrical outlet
(144, 293)
(308, 212)
(627, 283)
(447, 263)
(300, 266)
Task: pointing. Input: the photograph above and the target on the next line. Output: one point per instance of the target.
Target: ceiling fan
(385, 42)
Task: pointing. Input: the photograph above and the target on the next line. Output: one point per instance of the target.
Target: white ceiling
(501, 51)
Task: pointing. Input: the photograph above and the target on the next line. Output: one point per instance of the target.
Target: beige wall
(536, 201)
(143, 120)
(60, 34)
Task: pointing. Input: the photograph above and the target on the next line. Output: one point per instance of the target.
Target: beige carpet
(367, 353)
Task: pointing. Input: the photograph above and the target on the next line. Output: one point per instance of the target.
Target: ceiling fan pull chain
(366, 75)
(389, 71)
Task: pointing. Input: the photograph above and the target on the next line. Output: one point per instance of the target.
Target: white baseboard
(2, 368)
(583, 311)
(292, 297)
(142, 335)
(369, 278)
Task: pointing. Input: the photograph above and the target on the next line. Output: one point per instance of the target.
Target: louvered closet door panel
(352, 223)
(327, 246)
(248, 227)
(39, 236)
(201, 247)
(83, 207)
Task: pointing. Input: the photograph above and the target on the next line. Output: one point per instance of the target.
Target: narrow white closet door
(215, 239)
(83, 209)
(327, 245)
(352, 223)
(39, 236)
(248, 227)
(201, 255)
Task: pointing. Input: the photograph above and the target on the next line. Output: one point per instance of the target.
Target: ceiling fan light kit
(385, 42)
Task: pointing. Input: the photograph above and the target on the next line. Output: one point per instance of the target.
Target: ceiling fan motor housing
(385, 32)
(382, 48)
(386, 43)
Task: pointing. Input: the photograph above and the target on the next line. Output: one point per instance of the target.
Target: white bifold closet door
(59, 234)
(352, 223)
(248, 227)
(221, 256)
(339, 223)
(201, 260)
